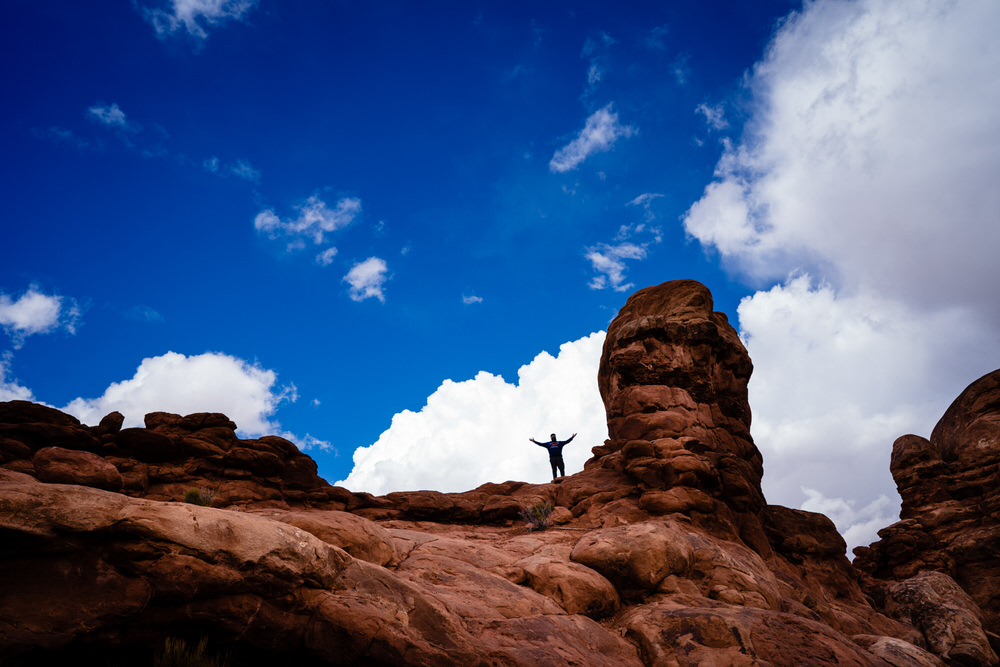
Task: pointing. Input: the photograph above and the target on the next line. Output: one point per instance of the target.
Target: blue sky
(404, 229)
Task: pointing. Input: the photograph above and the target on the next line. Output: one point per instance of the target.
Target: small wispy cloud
(61, 135)
(632, 242)
(594, 45)
(682, 69)
(325, 258)
(144, 314)
(309, 442)
(655, 38)
(109, 115)
(239, 169)
(715, 116)
(111, 118)
(315, 220)
(607, 262)
(598, 135)
(645, 202)
(594, 74)
(35, 313)
(367, 278)
(243, 169)
(597, 51)
(194, 17)
(626, 232)
(470, 299)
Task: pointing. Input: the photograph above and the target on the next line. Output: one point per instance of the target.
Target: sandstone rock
(690, 634)
(36, 426)
(98, 557)
(171, 456)
(499, 508)
(26, 412)
(168, 422)
(673, 376)
(945, 614)
(575, 588)
(897, 652)
(357, 536)
(145, 445)
(110, 424)
(636, 557)
(67, 466)
(951, 502)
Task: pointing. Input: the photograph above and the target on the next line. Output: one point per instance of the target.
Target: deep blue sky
(441, 120)
(313, 215)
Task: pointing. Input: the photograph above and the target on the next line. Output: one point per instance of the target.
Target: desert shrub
(180, 653)
(202, 497)
(537, 516)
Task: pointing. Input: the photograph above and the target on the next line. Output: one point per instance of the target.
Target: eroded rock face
(674, 377)
(951, 502)
(945, 614)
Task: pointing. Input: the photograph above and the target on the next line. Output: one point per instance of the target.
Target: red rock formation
(951, 502)
(663, 550)
(163, 461)
(673, 377)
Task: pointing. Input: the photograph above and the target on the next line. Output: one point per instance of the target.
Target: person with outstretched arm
(555, 453)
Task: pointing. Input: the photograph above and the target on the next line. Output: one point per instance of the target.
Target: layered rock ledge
(662, 551)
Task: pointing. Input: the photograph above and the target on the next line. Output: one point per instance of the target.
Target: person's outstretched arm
(570, 439)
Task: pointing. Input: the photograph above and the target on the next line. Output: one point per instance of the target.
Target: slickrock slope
(950, 519)
(663, 550)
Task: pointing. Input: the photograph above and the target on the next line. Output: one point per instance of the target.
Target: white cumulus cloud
(863, 193)
(600, 133)
(477, 431)
(211, 382)
(35, 313)
(367, 278)
(195, 16)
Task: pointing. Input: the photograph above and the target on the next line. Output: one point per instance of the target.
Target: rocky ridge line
(666, 552)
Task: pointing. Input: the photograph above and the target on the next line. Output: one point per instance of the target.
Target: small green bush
(179, 653)
(537, 516)
(202, 497)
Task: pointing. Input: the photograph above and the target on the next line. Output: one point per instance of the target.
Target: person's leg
(562, 468)
(554, 463)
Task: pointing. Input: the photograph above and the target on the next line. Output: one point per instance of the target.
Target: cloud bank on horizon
(864, 185)
(477, 430)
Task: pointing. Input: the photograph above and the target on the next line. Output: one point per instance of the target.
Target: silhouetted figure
(555, 453)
